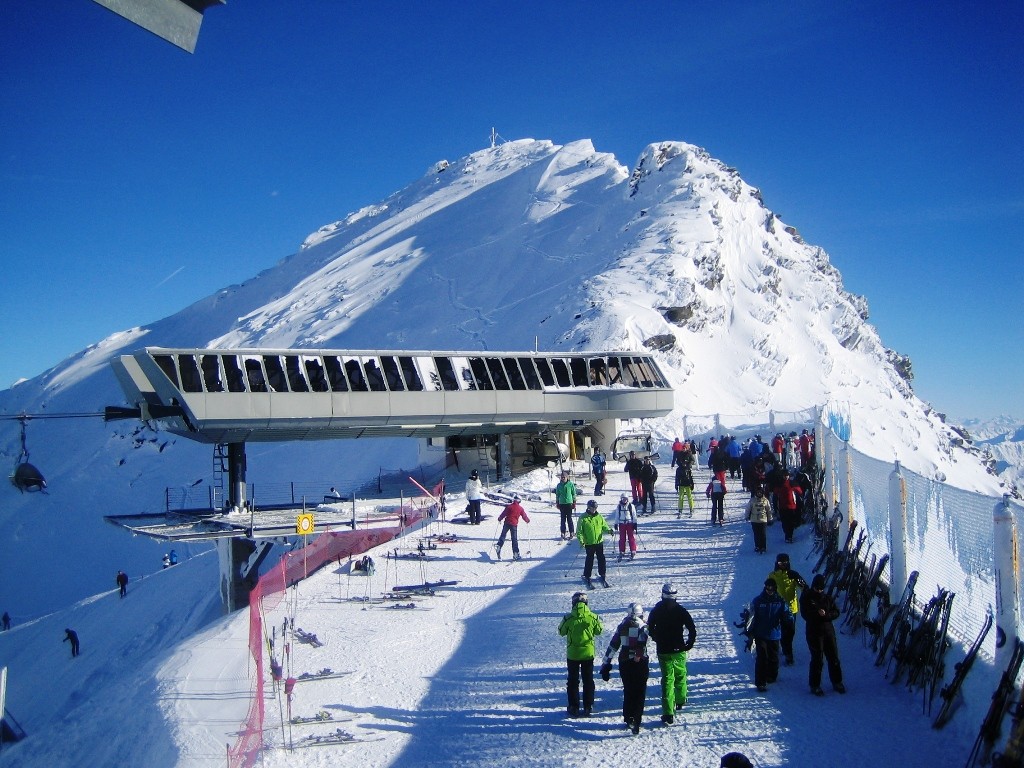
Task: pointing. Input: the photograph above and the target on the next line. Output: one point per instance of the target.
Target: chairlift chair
(25, 476)
(640, 443)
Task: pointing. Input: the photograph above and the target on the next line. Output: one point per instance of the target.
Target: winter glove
(606, 671)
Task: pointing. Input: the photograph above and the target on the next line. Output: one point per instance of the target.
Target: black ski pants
(823, 648)
(634, 676)
(580, 670)
(474, 512)
(766, 661)
(567, 524)
(594, 550)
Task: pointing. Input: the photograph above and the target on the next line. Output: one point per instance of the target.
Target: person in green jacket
(579, 627)
(590, 533)
(565, 499)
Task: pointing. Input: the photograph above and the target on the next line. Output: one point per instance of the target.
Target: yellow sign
(304, 524)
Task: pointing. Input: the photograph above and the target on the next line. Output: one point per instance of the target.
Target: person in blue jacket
(768, 612)
(598, 464)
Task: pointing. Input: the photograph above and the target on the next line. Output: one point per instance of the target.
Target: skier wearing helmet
(674, 633)
(579, 627)
(590, 532)
(630, 642)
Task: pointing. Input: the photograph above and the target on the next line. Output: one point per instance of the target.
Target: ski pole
(572, 564)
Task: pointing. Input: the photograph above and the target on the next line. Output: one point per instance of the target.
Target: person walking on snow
(579, 627)
(677, 452)
(590, 534)
(818, 611)
(122, 582)
(788, 582)
(630, 643)
(5, 622)
(70, 636)
(768, 614)
(599, 466)
(684, 487)
(759, 513)
(511, 515)
(648, 477)
(474, 497)
(632, 468)
(716, 491)
(565, 499)
(624, 521)
(672, 629)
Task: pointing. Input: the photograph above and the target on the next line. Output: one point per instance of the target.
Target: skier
(677, 452)
(674, 633)
(684, 486)
(759, 513)
(579, 627)
(599, 466)
(630, 642)
(474, 497)
(5, 621)
(735, 760)
(122, 582)
(788, 583)
(70, 636)
(819, 610)
(788, 506)
(590, 534)
(769, 613)
(624, 521)
(565, 499)
(632, 468)
(648, 477)
(173, 557)
(716, 491)
(511, 515)
(166, 560)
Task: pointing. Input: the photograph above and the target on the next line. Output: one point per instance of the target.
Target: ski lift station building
(519, 400)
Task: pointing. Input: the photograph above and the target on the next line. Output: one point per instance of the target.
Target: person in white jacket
(474, 496)
(624, 520)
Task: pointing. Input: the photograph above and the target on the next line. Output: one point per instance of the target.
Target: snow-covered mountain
(526, 243)
(1001, 441)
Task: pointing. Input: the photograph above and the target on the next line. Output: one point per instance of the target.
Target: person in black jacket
(70, 636)
(672, 629)
(648, 477)
(819, 610)
(632, 468)
(630, 643)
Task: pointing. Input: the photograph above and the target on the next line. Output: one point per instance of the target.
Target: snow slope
(472, 676)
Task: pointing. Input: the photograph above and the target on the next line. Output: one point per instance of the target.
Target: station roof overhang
(231, 395)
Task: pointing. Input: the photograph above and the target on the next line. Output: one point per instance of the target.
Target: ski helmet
(579, 597)
(735, 760)
(667, 590)
(782, 560)
(474, 474)
(636, 609)
(770, 583)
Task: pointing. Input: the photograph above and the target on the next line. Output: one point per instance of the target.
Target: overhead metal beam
(176, 21)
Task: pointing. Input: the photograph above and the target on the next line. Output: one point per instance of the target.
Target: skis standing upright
(949, 692)
(900, 618)
(992, 724)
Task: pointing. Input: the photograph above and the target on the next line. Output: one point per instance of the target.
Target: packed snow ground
(472, 676)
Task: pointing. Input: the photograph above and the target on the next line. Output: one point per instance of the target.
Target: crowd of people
(777, 481)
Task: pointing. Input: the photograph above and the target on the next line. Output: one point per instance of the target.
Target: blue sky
(137, 178)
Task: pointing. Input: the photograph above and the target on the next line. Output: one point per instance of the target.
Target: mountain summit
(521, 244)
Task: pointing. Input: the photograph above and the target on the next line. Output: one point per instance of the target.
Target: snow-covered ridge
(522, 244)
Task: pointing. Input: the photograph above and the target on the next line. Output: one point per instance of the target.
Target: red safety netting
(328, 547)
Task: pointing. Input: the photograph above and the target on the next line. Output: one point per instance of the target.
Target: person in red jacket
(511, 515)
(789, 514)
